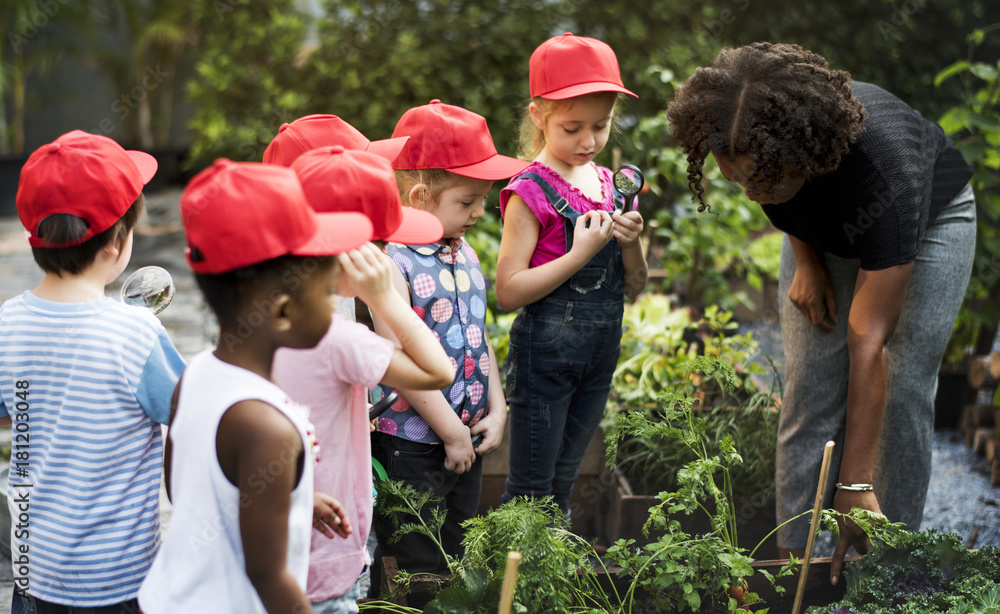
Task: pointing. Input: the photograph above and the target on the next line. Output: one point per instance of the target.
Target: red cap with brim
(85, 175)
(568, 66)
(314, 131)
(454, 139)
(387, 148)
(338, 179)
(238, 214)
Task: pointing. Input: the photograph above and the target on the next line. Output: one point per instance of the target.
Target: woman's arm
(875, 309)
(811, 290)
(517, 285)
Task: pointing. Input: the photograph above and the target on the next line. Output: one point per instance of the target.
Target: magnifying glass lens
(150, 287)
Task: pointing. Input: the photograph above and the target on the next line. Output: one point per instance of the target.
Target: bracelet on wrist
(855, 487)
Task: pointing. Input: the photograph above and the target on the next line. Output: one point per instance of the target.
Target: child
(239, 462)
(333, 378)
(87, 382)
(569, 262)
(315, 131)
(447, 167)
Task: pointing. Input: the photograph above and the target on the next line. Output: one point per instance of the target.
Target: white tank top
(200, 566)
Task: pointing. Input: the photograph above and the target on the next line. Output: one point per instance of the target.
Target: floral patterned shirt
(448, 291)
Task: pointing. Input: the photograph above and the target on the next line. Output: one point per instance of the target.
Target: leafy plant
(679, 567)
(926, 572)
(974, 125)
(658, 344)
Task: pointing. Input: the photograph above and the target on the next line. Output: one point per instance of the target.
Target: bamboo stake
(820, 493)
(509, 582)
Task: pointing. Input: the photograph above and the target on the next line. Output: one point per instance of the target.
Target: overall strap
(560, 204)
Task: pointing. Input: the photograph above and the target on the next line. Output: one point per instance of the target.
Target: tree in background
(36, 34)
(248, 76)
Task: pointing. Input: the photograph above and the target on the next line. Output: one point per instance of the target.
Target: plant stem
(761, 542)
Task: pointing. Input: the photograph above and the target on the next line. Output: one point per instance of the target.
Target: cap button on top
(435, 101)
(336, 149)
(567, 34)
(55, 147)
(283, 127)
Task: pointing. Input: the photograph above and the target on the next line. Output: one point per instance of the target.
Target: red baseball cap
(335, 179)
(315, 131)
(454, 139)
(237, 214)
(568, 66)
(82, 174)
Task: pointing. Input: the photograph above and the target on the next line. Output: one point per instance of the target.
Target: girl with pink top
(569, 257)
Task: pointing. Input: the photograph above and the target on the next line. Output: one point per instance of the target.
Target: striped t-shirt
(86, 385)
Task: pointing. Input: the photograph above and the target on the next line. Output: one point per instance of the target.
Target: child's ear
(418, 195)
(280, 316)
(536, 115)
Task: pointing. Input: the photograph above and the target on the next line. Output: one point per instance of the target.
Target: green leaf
(949, 72)
(984, 71)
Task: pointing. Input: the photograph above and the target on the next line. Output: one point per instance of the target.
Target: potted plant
(658, 344)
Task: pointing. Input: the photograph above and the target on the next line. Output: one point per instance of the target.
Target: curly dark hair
(779, 102)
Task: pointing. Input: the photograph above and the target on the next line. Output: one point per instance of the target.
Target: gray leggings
(816, 375)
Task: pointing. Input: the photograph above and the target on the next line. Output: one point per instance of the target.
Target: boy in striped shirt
(87, 382)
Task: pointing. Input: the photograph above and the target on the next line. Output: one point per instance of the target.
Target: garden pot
(627, 513)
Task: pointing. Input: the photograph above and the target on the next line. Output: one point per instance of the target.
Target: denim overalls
(563, 351)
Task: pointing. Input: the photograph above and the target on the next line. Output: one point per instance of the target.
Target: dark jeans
(33, 605)
(421, 465)
(560, 363)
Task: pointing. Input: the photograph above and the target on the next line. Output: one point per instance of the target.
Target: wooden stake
(820, 493)
(509, 582)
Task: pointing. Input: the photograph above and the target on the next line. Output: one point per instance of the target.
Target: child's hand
(329, 517)
(491, 428)
(459, 454)
(628, 228)
(590, 239)
(367, 273)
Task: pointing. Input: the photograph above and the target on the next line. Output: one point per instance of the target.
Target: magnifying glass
(150, 287)
(627, 181)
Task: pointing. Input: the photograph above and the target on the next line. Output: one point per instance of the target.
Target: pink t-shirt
(552, 236)
(333, 379)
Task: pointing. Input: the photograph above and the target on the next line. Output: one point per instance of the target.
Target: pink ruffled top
(552, 236)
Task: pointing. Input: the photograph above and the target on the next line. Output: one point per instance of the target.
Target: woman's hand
(850, 533)
(812, 293)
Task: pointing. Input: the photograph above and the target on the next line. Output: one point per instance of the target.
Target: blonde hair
(531, 139)
(437, 181)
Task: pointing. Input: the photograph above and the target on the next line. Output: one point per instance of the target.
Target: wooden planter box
(818, 590)
(627, 513)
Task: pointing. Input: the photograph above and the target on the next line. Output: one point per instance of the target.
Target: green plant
(248, 76)
(658, 343)
(924, 572)
(678, 566)
(974, 125)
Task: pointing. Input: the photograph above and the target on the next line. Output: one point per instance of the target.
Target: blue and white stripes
(86, 385)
